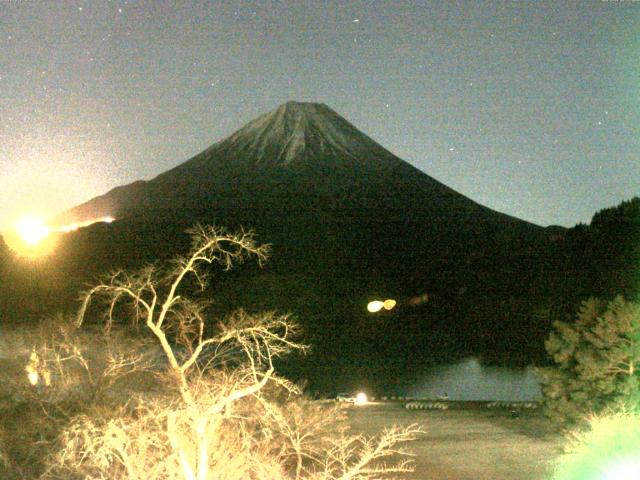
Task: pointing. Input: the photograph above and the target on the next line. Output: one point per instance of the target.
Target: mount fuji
(299, 156)
(348, 222)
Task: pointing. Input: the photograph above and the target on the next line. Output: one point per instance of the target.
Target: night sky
(530, 108)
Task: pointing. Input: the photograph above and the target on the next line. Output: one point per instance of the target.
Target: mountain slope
(298, 151)
(328, 198)
(348, 221)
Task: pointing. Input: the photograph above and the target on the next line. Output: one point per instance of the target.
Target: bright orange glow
(32, 237)
(32, 230)
(361, 399)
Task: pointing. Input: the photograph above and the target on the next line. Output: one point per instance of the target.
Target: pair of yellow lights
(377, 305)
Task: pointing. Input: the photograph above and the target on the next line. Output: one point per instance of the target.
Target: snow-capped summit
(298, 131)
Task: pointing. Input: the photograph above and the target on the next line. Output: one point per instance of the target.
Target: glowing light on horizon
(72, 227)
(32, 237)
(32, 230)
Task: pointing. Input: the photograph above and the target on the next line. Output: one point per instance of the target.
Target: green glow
(610, 450)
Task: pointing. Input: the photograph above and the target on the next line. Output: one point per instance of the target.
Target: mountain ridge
(299, 148)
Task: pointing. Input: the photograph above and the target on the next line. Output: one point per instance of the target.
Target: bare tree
(222, 422)
(359, 458)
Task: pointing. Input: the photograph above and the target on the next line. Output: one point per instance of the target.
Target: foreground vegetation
(593, 390)
(143, 384)
(596, 362)
(170, 395)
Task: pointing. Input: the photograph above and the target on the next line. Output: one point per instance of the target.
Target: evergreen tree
(597, 361)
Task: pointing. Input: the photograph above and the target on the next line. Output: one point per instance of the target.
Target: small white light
(361, 399)
(375, 306)
(33, 378)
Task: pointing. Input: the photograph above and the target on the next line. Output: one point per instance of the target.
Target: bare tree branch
(221, 422)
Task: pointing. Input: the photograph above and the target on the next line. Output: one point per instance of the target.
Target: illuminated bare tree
(222, 421)
(358, 457)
